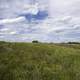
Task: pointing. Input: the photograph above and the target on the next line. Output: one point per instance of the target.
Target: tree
(35, 41)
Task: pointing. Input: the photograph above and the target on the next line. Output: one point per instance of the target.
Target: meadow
(39, 61)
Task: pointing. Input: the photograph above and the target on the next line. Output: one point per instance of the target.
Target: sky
(42, 20)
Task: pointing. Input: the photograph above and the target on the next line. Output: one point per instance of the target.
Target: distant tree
(35, 41)
(2, 42)
(73, 43)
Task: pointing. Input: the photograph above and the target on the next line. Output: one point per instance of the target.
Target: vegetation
(29, 61)
(73, 43)
(35, 41)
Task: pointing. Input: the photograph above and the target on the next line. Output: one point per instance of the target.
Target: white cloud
(13, 32)
(62, 21)
(4, 29)
(14, 20)
(7, 31)
(30, 8)
(63, 7)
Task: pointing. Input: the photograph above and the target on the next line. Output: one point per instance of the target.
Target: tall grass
(29, 61)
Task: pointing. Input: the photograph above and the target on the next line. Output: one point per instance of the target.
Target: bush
(73, 43)
(35, 41)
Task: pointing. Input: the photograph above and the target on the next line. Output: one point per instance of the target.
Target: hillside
(39, 61)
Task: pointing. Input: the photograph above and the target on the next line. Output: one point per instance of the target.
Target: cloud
(41, 15)
(7, 31)
(4, 29)
(50, 20)
(30, 8)
(14, 20)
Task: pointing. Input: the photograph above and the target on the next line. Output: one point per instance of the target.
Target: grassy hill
(31, 61)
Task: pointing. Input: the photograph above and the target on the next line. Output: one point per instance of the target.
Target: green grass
(30, 61)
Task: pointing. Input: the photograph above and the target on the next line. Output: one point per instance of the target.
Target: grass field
(39, 61)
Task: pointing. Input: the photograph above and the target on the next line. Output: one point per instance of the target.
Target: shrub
(35, 41)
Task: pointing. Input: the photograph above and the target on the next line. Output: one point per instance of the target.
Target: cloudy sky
(43, 20)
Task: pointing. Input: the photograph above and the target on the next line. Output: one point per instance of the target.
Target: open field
(39, 61)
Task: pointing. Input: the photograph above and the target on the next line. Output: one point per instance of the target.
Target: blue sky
(43, 20)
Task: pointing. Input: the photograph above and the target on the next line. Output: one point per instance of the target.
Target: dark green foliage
(35, 41)
(73, 43)
(29, 61)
